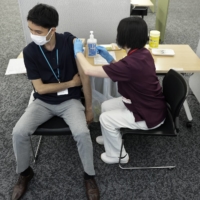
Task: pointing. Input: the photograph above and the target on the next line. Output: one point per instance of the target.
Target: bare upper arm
(37, 83)
(74, 40)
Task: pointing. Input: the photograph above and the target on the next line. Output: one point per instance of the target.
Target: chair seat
(166, 129)
(54, 126)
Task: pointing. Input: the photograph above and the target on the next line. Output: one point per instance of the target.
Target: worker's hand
(76, 80)
(104, 53)
(78, 46)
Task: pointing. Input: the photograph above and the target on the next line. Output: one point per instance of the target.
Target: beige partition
(80, 17)
(153, 8)
(161, 17)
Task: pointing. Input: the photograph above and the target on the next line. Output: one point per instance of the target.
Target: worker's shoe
(113, 160)
(99, 140)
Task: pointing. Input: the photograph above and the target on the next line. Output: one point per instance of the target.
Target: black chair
(55, 126)
(142, 11)
(175, 90)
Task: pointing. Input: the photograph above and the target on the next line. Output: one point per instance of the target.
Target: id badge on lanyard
(63, 92)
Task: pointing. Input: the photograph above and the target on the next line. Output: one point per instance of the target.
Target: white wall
(81, 16)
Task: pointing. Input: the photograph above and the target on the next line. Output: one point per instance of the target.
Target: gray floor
(58, 171)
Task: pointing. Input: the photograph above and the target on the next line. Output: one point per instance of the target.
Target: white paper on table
(16, 66)
(99, 60)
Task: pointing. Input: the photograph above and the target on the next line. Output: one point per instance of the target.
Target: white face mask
(40, 40)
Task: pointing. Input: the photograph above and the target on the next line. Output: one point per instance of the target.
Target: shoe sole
(122, 162)
(115, 162)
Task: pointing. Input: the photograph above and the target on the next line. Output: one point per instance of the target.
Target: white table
(142, 3)
(184, 61)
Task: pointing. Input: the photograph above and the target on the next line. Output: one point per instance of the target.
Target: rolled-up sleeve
(31, 67)
(118, 71)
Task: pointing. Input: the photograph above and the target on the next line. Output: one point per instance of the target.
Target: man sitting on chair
(53, 71)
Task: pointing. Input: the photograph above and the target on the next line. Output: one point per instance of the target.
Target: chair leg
(156, 167)
(177, 148)
(35, 155)
(32, 149)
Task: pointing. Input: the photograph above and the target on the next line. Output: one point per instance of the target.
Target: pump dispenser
(91, 44)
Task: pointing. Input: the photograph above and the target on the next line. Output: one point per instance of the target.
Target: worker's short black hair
(132, 32)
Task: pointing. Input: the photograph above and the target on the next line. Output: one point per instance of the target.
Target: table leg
(188, 113)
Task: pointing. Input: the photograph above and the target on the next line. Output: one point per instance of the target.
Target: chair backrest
(175, 90)
(81, 17)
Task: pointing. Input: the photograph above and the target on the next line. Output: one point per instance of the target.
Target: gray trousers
(72, 111)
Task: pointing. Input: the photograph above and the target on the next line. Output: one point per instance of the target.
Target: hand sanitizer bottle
(91, 44)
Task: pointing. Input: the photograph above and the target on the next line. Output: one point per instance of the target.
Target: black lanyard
(57, 77)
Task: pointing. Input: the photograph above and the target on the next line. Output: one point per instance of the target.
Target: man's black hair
(43, 15)
(132, 32)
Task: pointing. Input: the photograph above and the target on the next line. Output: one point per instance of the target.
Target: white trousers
(114, 116)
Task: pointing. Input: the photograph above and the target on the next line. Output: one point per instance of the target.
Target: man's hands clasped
(76, 80)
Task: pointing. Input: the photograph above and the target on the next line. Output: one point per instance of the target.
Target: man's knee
(80, 133)
(19, 131)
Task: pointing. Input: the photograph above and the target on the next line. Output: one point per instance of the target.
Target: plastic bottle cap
(155, 33)
(91, 35)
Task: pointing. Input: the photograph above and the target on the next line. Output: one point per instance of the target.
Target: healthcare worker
(142, 104)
